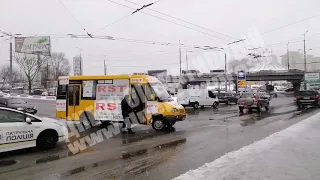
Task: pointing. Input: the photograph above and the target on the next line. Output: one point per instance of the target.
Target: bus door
(73, 101)
(141, 107)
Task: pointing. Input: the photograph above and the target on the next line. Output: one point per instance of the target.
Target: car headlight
(175, 110)
(35, 107)
(20, 109)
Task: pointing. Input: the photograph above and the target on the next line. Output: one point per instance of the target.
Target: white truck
(197, 98)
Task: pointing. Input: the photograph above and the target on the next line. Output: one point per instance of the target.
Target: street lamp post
(305, 58)
(288, 60)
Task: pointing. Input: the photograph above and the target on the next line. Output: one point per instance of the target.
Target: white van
(197, 98)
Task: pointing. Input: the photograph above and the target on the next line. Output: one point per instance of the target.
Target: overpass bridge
(292, 76)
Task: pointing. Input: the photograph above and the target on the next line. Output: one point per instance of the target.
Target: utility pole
(187, 59)
(288, 60)
(305, 59)
(10, 78)
(180, 57)
(104, 65)
(38, 55)
(225, 72)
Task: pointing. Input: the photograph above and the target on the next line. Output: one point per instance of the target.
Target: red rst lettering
(102, 88)
(100, 106)
(112, 88)
(112, 106)
(122, 87)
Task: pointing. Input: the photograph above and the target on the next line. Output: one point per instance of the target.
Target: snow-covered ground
(293, 153)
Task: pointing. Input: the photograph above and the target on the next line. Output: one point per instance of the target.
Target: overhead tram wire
(75, 18)
(116, 21)
(216, 37)
(290, 24)
(184, 21)
(74, 36)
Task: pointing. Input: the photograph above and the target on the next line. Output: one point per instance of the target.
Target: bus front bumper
(173, 119)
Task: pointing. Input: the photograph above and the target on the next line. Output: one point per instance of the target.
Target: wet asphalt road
(206, 135)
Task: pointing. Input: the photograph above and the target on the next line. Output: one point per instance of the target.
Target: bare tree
(59, 65)
(30, 66)
(5, 75)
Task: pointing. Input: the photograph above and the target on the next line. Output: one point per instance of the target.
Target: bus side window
(89, 92)
(62, 92)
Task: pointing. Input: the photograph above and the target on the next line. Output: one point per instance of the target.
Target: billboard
(77, 66)
(242, 81)
(312, 80)
(33, 45)
(161, 75)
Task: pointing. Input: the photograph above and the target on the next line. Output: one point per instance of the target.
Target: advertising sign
(108, 100)
(152, 107)
(242, 81)
(64, 80)
(312, 78)
(61, 105)
(33, 45)
(159, 74)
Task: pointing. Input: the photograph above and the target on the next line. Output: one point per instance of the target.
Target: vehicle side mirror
(28, 120)
(153, 97)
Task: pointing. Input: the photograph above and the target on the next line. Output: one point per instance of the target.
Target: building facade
(296, 61)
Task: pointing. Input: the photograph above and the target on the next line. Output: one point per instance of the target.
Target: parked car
(19, 130)
(16, 103)
(307, 98)
(252, 100)
(197, 98)
(227, 98)
(289, 92)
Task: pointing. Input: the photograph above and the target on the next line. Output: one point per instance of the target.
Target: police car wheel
(47, 139)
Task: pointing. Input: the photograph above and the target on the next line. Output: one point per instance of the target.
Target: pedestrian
(126, 110)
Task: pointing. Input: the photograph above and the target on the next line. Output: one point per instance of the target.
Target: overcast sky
(237, 19)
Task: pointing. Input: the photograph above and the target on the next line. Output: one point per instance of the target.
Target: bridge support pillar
(236, 85)
(296, 87)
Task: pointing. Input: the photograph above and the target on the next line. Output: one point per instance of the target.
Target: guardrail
(30, 97)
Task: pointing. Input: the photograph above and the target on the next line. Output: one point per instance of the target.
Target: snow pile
(250, 160)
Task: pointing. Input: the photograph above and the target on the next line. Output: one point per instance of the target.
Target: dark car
(252, 100)
(307, 98)
(227, 98)
(15, 103)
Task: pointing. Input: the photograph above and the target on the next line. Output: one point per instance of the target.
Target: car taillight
(297, 97)
(316, 97)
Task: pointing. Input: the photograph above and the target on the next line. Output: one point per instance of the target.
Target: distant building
(296, 61)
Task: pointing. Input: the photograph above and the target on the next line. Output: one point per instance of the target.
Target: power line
(74, 18)
(145, 65)
(116, 21)
(296, 22)
(183, 20)
(74, 36)
(167, 20)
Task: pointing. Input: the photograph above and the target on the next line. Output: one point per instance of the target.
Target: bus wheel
(158, 124)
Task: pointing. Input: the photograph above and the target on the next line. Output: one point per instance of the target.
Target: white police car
(19, 130)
